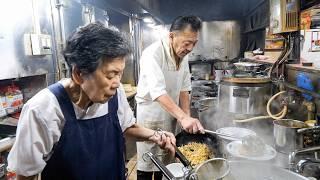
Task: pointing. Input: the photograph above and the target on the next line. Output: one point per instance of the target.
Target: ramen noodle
(196, 153)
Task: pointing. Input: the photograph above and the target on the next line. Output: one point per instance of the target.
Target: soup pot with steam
(286, 137)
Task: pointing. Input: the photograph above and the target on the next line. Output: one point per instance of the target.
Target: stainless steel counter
(281, 160)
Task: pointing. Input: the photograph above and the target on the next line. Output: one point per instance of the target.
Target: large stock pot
(207, 108)
(241, 98)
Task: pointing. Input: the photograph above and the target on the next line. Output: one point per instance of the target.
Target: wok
(212, 141)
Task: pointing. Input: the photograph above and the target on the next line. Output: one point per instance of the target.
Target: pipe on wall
(291, 86)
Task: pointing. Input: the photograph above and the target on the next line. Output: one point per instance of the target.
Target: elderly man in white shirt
(163, 89)
(75, 128)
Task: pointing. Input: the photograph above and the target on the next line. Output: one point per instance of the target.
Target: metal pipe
(135, 31)
(59, 6)
(291, 86)
(60, 37)
(121, 11)
(35, 17)
(160, 165)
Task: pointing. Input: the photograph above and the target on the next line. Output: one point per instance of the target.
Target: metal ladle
(249, 141)
(222, 134)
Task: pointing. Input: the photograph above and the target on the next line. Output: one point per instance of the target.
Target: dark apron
(87, 149)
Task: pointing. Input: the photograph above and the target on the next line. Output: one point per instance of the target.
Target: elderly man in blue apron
(163, 89)
(75, 128)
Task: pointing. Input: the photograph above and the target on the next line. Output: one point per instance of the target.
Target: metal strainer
(215, 168)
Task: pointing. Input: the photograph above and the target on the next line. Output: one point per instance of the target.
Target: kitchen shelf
(275, 39)
(269, 61)
(298, 67)
(274, 49)
(202, 62)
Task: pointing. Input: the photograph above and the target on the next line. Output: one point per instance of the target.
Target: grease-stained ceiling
(167, 10)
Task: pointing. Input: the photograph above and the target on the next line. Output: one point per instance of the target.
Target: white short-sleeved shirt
(159, 75)
(40, 126)
(155, 61)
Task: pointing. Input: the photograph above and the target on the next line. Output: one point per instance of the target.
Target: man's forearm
(187, 123)
(184, 102)
(170, 106)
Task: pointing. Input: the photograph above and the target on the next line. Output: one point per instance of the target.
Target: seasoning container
(14, 98)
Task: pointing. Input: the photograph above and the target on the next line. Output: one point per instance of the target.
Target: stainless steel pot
(286, 137)
(247, 99)
(207, 108)
(247, 170)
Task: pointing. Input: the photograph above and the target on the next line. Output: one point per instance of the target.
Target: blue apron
(88, 149)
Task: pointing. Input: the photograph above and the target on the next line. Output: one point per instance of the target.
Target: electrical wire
(281, 57)
(284, 110)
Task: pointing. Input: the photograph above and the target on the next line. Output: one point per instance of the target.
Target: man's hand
(191, 125)
(165, 140)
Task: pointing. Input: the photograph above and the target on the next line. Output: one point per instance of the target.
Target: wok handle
(182, 158)
(160, 165)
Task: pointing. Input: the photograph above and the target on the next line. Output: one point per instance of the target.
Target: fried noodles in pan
(196, 153)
